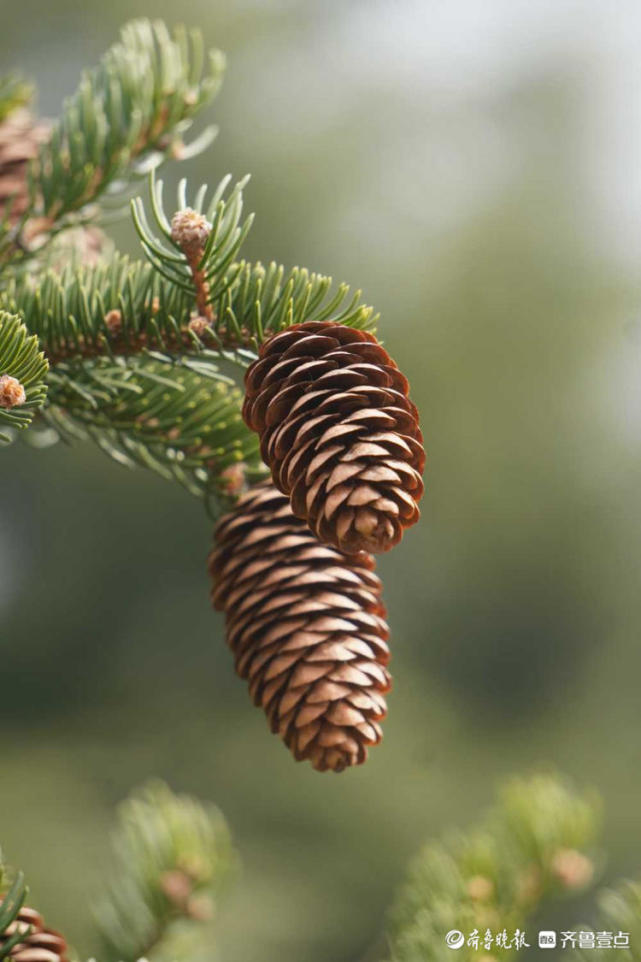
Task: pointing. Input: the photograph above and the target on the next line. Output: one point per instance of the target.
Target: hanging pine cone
(339, 433)
(39, 945)
(306, 625)
(20, 137)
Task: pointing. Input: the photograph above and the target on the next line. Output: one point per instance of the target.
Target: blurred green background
(475, 168)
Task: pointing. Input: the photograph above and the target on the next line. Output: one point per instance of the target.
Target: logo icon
(454, 939)
(547, 940)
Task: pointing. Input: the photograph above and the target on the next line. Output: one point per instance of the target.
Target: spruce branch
(495, 877)
(127, 116)
(142, 355)
(101, 310)
(117, 332)
(23, 369)
(181, 421)
(173, 860)
(69, 310)
(241, 302)
(197, 247)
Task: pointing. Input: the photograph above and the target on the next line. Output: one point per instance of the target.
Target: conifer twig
(537, 842)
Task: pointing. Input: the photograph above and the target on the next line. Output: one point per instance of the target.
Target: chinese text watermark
(546, 939)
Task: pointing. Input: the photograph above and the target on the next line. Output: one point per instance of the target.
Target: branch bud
(573, 869)
(234, 478)
(190, 231)
(113, 322)
(200, 908)
(199, 326)
(177, 886)
(480, 888)
(12, 393)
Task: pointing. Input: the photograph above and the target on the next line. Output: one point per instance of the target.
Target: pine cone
(306, 625)
(40, 945)
(339, 433)
(20, 137)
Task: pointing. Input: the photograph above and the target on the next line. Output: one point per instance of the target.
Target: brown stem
(181, 342)
(202, 287)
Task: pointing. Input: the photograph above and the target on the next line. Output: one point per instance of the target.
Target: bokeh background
(475, 168)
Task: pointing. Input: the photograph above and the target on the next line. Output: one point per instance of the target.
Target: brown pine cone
(40, 945)
(20, 138)
(339, 433)
(306, 625)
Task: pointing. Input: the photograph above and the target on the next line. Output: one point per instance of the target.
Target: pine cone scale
(20, 139)
(332, 412)
(306, 629)
(40, 944)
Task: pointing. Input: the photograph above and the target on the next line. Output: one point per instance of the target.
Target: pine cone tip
(306, 625)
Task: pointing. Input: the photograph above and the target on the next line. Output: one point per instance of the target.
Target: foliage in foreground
(539, 843)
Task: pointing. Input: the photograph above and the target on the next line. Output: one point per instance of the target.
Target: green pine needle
(173, 860)
(127, 115)
(22, 359)
(535, 843)
(144, 356)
